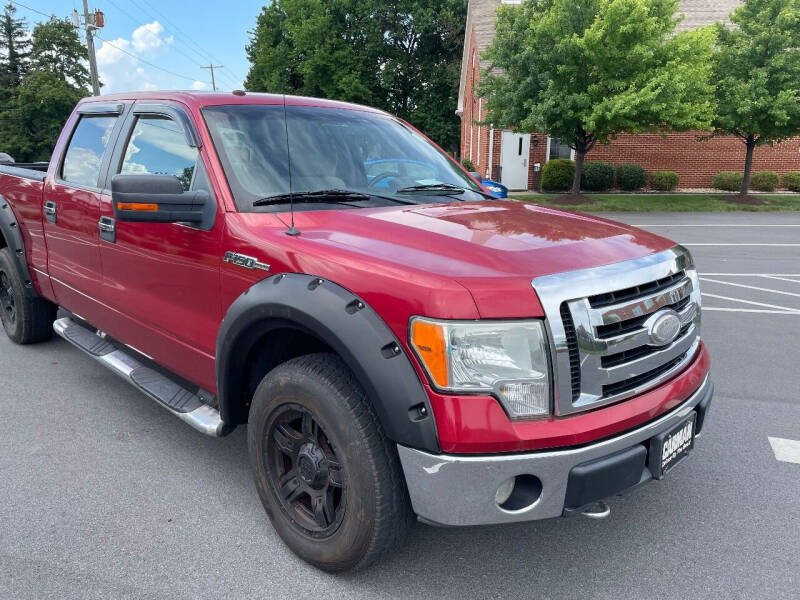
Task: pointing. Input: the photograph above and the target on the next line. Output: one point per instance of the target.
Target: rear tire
(315, 442)
(27, 319)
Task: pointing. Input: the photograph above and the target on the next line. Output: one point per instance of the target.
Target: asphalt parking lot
(103, 495)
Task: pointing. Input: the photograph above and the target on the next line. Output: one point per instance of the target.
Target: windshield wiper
(315, 196)
(323, 196)
(444, 189)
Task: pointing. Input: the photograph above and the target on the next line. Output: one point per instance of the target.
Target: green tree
(756, 69)
(399, 56)
(44, 103)
(57, 48)
(33, 113)
(587, 70)
(14, 48)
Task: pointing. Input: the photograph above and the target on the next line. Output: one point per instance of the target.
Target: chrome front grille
(600, 320)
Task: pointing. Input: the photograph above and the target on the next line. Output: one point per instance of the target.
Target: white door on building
(515, 152)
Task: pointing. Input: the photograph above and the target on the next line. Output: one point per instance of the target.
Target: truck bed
(33, 171)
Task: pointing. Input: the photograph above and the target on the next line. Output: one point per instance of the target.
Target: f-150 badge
(248, 262)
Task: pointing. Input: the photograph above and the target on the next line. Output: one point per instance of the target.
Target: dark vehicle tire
(26, 320)
(329, 479)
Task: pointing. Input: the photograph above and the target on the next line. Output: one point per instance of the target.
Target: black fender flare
(346, 324)
(9, 226)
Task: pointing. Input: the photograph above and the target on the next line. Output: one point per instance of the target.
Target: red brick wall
(538, 155)
(478, 150)
(696, 161)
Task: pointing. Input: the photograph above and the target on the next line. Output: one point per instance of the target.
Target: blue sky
(176, 35)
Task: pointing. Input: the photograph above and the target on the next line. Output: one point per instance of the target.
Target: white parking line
(785, 450)
(782, 278)
(773, 275)
(716, 225)
(751, 287)
(781, 308)
(746, 244)
(751, 310)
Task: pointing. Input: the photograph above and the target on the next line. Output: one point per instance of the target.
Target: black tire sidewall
(350, 543)
(8, 267)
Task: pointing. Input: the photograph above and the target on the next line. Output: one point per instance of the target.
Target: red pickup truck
(399, 344)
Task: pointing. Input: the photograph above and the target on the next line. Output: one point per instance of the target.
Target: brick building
(512, 157)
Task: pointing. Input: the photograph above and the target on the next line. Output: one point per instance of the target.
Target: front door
(163, 279)
(515, 153)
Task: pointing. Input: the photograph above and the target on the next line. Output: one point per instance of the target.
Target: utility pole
(212, 66)
(90, 23)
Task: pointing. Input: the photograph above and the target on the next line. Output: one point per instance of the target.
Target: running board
(182, 403)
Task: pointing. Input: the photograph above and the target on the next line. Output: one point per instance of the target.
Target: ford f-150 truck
(398, 343)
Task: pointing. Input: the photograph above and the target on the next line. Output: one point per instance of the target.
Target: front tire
(329, 479)
(26, 319)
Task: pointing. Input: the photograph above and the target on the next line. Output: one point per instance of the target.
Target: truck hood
(484, 239)
(493, 248)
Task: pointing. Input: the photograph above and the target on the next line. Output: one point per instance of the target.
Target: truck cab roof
(199, 99)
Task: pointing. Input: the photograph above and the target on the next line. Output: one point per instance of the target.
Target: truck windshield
(329, 149)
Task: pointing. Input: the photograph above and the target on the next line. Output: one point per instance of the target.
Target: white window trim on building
(547, 152)
(480, 118)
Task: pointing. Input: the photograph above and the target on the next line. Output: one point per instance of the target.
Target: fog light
(504, 491)
(525, 492)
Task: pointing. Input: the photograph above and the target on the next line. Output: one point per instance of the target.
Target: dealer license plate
(669, 448)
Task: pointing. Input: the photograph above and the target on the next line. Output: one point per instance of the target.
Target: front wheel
(329, 480)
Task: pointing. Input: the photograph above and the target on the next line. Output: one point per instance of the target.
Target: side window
(158, 146)
(85, 151)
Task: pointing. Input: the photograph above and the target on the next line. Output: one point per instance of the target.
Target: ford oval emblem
(663, 327)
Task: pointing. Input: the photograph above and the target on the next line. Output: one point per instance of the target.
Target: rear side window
(158, 146)
(86, 148)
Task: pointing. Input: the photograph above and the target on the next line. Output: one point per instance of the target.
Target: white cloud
(200, 85)
(147, 39)
(120, 72)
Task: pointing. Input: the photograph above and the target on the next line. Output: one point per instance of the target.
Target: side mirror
(476, 175)
(155, 199)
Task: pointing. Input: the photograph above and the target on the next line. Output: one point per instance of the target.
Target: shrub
(597, 176)
(557, 175)
(631, 177)
(791, 181)
(468, 164)
(664, 181)
(730, 181)
(764, 181)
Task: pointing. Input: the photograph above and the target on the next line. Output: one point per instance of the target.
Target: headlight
(504, 358)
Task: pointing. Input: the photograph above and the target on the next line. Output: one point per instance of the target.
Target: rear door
(72, 199)
(163, 279)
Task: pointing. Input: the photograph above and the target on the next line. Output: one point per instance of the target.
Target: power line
(138, 23)
(38, 12)
(178, 31)
(149, 64)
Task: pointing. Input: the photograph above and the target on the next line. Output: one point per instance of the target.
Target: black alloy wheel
(8, 305)
(329, 479)
(304, 472)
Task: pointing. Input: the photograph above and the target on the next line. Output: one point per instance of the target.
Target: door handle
(50, 211)
(108, 229)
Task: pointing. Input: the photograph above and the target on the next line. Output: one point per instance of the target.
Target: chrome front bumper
(460, 490)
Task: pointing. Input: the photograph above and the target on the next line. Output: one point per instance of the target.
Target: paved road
(102, 495)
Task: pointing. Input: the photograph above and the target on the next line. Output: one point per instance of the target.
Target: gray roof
(704, 12)
(481, 18)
